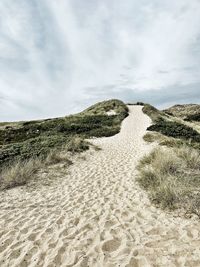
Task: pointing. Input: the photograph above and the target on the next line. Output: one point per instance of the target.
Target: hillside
(171, 173)
(189, 112)
(32, 140)
(173, 125)
(24, 140)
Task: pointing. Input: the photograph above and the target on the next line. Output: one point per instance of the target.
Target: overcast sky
(59, 56)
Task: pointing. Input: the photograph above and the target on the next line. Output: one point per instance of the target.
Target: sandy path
(96, 215)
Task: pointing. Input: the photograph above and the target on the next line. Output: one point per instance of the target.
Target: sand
(94, 214)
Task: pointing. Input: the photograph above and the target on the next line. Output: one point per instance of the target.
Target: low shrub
(175, 129)
(193, 117)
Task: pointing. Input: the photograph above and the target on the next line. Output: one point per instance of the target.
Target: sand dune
(94, 214)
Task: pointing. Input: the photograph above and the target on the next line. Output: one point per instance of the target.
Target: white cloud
(52, 51)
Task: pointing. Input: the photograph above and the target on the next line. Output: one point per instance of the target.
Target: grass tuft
(56, 157)
(77, 144)
(19, 173)
(172, 177)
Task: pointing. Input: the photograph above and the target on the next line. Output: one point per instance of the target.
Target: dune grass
(187, 111)
(24, 144)
(22, 171)
(152, 112)
(171, 173)
(172, 178)
(56, 157)
(176, 130)
(103, 107)
(170, 130)
(19, 173)
(37, 138)
(163, 140)
(77, 144)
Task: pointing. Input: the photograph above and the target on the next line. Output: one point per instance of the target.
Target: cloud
(56, 57)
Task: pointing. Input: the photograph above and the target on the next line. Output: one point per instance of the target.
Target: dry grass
(19, 173)
(171, 173)
(184, 111)
(152, 112)
(49, 140)
(172, 178)
(30, 139)
(163, 140)
(77, 144)
(151, 137)
(56, 157)
(190, 156)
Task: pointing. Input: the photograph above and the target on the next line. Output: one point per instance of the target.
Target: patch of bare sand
(96, 215)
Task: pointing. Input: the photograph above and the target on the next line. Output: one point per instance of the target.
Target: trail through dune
(95, 214)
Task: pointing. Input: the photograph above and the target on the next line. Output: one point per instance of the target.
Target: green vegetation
(101, 108)
(19, 173)
(172, 178)
(37, 138)
(175, 129)
(171, 173)
(153, 112)
(56, 157)
(22, 171)
(77, 144)
(171, 126)
(193, 117)
(183, 111)
(28, 141)
(165, 140)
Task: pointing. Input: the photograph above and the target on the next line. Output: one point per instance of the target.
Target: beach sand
(94, 213)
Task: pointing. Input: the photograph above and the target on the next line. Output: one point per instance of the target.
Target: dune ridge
(96, 215)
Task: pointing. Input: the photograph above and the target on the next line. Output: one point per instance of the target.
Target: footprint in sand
(95, 215)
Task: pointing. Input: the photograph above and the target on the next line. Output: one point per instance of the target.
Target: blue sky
(58, 57)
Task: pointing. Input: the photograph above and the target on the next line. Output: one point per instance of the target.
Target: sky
(59, 56)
